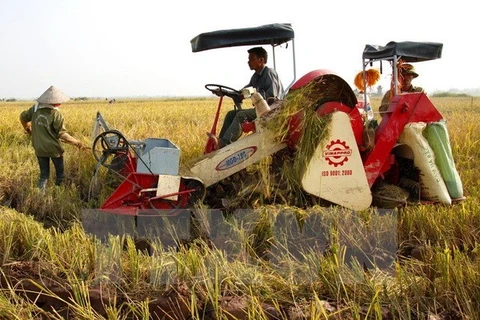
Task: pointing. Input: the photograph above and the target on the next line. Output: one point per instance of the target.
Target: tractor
(354, 158)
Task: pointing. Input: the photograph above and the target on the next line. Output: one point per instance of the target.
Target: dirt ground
(53, 298)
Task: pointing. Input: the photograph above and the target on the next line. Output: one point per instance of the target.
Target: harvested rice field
(258, 247)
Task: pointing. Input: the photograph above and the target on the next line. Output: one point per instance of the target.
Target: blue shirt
(267, 83)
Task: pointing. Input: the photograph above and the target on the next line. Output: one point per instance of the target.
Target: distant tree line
(450, 95)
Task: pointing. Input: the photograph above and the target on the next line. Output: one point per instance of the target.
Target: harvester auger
(341, 168)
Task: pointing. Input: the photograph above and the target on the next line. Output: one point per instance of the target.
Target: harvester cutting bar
(140, 191)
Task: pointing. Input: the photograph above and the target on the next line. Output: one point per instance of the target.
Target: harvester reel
(108, 145)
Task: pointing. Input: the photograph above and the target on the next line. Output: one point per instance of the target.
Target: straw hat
(409, 69)
(53, 96)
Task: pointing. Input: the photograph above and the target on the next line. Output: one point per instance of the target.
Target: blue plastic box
(159, 156)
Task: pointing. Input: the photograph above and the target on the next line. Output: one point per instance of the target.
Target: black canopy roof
(272, 34)
(408, 51)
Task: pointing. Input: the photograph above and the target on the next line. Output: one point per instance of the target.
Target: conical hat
(53, 96)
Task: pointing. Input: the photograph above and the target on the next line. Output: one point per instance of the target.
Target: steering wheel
(107, 145)
(219, 89)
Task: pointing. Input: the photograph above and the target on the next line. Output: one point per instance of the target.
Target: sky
(117, 48)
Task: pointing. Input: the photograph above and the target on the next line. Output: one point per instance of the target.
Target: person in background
(46, 125)
(407, 74)
(265, 80)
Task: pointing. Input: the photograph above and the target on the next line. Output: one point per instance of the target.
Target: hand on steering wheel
(221, 90)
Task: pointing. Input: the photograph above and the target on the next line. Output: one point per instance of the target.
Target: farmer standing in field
(407, 74)
(265, 80)
(46, 125)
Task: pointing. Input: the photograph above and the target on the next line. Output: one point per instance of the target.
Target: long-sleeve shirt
(48, 125)
(267, 83)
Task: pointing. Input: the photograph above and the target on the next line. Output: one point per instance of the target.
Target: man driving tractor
(265, 80)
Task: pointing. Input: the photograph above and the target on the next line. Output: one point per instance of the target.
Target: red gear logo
(337, 153)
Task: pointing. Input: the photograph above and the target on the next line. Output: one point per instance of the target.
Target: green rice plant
(21, 236)
(13, 306)
(71, 252)
(108, 261)
(134, 272)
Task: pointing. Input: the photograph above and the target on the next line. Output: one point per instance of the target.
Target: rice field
(52, 268)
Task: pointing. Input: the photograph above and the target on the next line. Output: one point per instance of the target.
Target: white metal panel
(335, 172)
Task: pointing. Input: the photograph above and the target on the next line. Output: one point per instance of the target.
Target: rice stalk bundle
(301, 105)
(371, 75)
(389, 196)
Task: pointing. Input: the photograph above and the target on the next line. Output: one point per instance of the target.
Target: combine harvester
(343, 168)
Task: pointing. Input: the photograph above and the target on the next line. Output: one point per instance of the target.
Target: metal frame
(272, 34)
